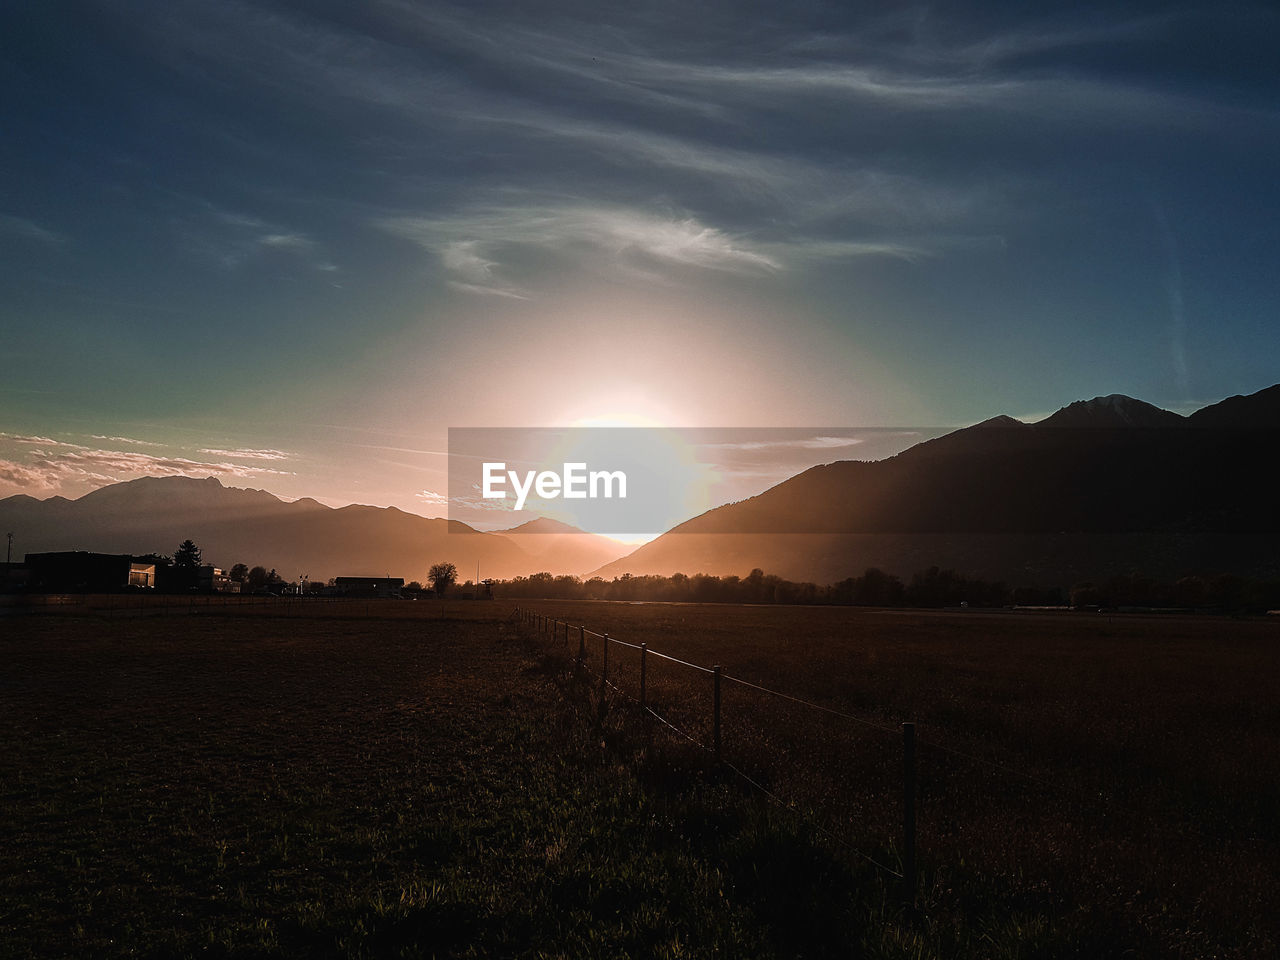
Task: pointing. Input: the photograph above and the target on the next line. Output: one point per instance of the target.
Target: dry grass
(374, 780)
(1124, 768)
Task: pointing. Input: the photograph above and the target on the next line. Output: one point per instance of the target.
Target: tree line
(934, 587)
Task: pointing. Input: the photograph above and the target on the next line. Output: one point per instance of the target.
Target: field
(405, 779)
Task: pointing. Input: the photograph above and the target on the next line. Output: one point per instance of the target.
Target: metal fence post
(604, 668)
(582, 643)
(644, 649)
(716, 675)
(909, 811)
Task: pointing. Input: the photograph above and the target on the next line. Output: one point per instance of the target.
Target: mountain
(564, 547)
(1109, 485)
(1259, 410)
(1111, 412)
(232, 525)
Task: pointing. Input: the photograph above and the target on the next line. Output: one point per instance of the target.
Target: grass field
(376, 780)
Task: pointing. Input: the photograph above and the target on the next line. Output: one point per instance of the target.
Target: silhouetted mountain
(232, 525)
(1114, 411)
(1259, 410)
(1106, 485)
(562, 547)
(543, 526)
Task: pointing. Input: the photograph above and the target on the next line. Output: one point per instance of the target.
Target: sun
(669, 483)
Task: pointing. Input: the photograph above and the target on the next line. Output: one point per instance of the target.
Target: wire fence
(860, 781)
(719, 712)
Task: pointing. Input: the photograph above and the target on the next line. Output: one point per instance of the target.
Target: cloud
(40, 441)
(19, 228)
(247, 454)
(469, 244)
(431, 498)
(22, 477)
(52, 473)
(798, 443)
(231, 238)
(140, 443)
(472, 272)
(145, 464)
(287, 241)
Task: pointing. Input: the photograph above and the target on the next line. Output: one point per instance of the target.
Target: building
(80, 572)
(211, 579)
(380, 587)
(13, 577)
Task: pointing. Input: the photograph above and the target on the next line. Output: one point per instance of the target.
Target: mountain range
(1103, 486)
(303, 537)
(1109, 485)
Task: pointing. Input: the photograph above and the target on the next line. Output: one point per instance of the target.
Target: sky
(291, 244)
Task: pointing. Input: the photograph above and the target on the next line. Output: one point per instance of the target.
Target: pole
(582, 643)
(604, 669)
(909, 812)
(716, 674)
(644, 649)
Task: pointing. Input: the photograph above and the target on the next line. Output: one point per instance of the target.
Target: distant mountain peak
(1113, 410)
(542, 525)
(1003, 420)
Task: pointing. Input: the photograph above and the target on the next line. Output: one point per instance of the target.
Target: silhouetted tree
(258, 578)
(442, 577)
(239, 573)
(186, 565)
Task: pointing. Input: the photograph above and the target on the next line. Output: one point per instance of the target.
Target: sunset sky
(291, 244)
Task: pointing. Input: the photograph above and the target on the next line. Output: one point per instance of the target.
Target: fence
(1115, 837)
(554, 629)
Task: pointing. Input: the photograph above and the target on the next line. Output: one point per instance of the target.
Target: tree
(186, 565)
(187, 556)
(442, 577)
(239, 573)
(258, 578)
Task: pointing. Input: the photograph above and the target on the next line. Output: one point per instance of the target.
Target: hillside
(1110, 485)
(232, 525)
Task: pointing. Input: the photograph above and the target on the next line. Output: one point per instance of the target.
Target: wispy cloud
(47, 472)
(19, 228)
(232, 239)
(247, 454)
(470, 244)
(140, 443)
(40, 441)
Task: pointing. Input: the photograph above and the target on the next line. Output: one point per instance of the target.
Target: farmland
(399, 778)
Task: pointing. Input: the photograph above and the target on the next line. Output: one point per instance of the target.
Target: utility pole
(8, 554)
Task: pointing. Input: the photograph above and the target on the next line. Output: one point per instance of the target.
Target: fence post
(716, 726)
(644, 648)
(644, 700)
(909, 812)
(604, 669)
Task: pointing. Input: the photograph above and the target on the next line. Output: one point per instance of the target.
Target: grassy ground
(1116, 774)
(384, 782)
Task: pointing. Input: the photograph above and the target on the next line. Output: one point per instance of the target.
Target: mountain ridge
(236, 524)
(1109, 484)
